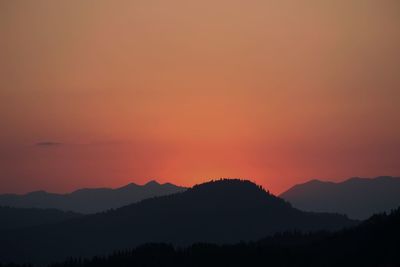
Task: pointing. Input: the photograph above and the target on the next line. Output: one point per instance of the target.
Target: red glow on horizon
(276, 92)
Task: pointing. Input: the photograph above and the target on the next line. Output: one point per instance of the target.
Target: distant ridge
(223, 211)
(359, 198)
(90, 200)
(13, 218)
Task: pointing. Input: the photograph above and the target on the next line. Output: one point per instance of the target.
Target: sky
(103, 93)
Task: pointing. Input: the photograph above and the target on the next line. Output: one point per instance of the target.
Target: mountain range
(358, 198)
(223, 211)
(90, 200)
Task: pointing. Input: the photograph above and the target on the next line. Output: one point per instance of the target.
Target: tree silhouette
(372, 243)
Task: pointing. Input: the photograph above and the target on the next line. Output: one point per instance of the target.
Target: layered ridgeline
(90, 200)
(373, 243)
(223, 211)
(359, 198)
(12, 218)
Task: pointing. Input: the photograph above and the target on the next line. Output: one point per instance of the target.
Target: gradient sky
(102, 93)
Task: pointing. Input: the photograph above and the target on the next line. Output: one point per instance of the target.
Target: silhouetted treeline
(373, 243)
(220, 212)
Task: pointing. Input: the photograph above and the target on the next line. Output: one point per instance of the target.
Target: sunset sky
(103, 93)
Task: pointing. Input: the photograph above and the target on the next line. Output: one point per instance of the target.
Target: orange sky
(186, 91)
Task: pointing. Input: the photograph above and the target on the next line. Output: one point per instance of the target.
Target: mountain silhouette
(359, 198)
(90, 200)
(11, 218)
(224, 211)
(373, 243)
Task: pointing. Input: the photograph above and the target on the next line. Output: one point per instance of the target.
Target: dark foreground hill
(12, 218)
(224, 211)
(90, 200)
(374, 243)
(359, 198)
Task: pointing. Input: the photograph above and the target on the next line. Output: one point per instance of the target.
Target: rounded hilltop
(230, 182)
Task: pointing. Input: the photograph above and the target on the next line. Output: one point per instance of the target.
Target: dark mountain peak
(222, 211)
(224, 195)
(168, 184)
(226, 185)
(315, 181)
(353, 180)
(314, 185)
(233, 194)
(356, 197)
(128, 186)
(152, 183)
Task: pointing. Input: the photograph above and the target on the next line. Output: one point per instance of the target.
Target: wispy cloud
(48, 144)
